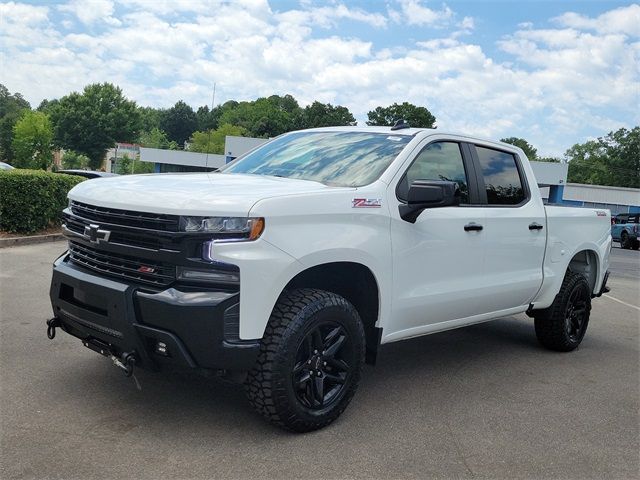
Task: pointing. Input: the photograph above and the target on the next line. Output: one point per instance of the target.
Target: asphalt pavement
(479, 402)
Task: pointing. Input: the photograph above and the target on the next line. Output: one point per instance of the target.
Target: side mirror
(428, 194)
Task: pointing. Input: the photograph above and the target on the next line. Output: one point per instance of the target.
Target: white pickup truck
(290, 267)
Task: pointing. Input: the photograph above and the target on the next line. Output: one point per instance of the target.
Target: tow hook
(127, 362)
(52, 323)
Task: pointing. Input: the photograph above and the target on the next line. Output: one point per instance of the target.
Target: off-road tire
(624, 240)
(270, 383)
(552, 325)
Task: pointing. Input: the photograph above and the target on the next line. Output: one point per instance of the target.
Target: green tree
(33, 141)
(156, 138)
(212, 141)
(11, 108)
(179, 122)
(612, 160)
(91, 122)
(150, 118)
(127, 166)
(75, 160)
(324, 115)
(418, 117)
(529, 150)
(264, 117)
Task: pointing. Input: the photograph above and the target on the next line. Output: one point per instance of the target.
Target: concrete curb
(19, 241)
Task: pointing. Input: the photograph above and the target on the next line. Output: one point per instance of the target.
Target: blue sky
(553, 72)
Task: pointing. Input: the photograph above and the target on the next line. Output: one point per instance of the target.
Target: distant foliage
(32, 143)
(610, 160)
(179, 122)
(213, 140)
(32, 200)
(126, 165)
(156, 138)
(418, 117)
(529, 150)
(325, 115)
(11, 108)
(74, 160)
(93, 121)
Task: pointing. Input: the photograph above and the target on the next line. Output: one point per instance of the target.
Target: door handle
(472, 227)
(535, 226)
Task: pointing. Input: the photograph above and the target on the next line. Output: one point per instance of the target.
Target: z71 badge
(367, 203)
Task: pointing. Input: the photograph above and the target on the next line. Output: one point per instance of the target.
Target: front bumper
(199, 328)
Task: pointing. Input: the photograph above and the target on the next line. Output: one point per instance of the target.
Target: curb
(19, 241)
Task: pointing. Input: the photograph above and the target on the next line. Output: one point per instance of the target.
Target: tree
(91, 122)
(127, 165)
(156, 138)
(264, 117)
(612, 160)
(529, 150)
(74, 160)
(150, 118)
(212, 141)
(33, 141)
(324, 115)
(179, 122)
(418, 117)
(11, 108)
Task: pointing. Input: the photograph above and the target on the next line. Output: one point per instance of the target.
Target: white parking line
(620, 301)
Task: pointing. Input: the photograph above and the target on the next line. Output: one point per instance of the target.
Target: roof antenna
(213, 99)
(400, 124)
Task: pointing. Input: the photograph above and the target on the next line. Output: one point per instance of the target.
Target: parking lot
(480, 402)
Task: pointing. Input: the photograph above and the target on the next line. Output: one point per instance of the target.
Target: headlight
(226, 228)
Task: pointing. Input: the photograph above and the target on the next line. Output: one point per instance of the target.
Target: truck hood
(188, 193)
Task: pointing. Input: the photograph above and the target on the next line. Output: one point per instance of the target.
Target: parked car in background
(6, 166)
(88, 173)
(625, 229)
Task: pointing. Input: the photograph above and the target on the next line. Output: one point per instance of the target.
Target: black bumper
(199, 329)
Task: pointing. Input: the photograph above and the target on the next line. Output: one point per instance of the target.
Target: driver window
(437, 161)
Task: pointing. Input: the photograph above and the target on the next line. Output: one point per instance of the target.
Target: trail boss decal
(366, 203)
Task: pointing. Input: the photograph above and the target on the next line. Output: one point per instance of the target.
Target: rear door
(515, 232)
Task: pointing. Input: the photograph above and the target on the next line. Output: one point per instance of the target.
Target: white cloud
(620, 20)
(90, 11)
(558, 84)
(413, 12)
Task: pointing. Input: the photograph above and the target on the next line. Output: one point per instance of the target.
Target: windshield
(345, 159)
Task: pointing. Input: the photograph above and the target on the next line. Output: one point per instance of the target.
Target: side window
(437, 161)
(501, 177)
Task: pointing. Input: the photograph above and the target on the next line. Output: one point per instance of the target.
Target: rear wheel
(309, 363)
(624, 240)
(562, 326)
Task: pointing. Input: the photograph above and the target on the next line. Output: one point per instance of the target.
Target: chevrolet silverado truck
(288, 269)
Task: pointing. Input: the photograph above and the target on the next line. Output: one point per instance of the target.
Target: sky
(553, 72)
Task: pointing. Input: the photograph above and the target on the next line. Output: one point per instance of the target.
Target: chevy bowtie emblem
(95, 235)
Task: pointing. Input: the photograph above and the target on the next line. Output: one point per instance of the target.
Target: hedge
(31, 200)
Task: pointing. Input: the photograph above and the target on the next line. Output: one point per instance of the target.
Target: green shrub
(31, 200)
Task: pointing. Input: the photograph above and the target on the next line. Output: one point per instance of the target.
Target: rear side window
(501, 177)
(437, 161)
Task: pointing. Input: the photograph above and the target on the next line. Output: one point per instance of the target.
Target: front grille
(128, 218)
(122, 266)
(144, 239)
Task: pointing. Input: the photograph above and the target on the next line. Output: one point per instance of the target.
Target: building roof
(601, 194)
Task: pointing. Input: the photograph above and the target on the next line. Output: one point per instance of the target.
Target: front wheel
(310, 360)
(562, 326)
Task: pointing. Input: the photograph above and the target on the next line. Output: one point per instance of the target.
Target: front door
(438, 261)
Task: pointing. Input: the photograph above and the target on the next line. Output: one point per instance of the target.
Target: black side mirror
(429, 194)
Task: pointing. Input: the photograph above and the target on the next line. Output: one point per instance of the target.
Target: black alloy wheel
(562, 326)
(322, 365)
(310, 360)
(576, 312)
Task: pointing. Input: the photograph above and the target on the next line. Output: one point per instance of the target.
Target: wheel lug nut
(324, 363)
(315, 351)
